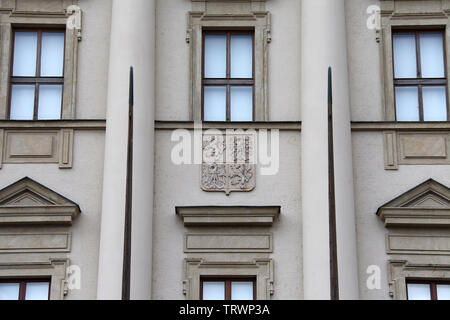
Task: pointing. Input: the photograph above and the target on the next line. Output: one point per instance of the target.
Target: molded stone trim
(228, 243)
(418, 244)
(55, 269)
(416, 148)
(427, 205)
(28, 243)
(228, 216)
(394, 126)
(262, 269)
(27, 202)
(38, 146)
(256, 125)
(79, 124)
(357, 126)
(402, 270)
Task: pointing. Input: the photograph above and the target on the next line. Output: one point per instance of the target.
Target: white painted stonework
(63, 182)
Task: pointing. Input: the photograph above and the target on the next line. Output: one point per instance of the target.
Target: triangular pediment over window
(427, 205)
(27, 202)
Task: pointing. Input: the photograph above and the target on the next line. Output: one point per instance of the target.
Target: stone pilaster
(132, 44)
(324, 44)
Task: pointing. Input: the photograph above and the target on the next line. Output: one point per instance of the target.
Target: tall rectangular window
(37, 76)
(428, 290)
(420, 76)
(24, 289)
(228, 80)
(228, 289)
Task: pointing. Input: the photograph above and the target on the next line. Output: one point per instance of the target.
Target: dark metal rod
(126, 273)
(334, 275)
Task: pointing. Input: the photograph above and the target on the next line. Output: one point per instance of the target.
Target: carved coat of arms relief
(229, 163)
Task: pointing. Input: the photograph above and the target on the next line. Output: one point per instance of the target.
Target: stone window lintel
(228, 216)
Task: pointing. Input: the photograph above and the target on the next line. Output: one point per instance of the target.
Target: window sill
(394, 125)
(258, 125)
(90, 124)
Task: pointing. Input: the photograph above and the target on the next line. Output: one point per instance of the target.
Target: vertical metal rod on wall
(334, 275)
(126, 273)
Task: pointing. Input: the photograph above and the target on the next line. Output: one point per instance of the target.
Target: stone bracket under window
(57, 13)
(223, 15)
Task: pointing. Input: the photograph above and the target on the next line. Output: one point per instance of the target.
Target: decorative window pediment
(427, 205)
(27, 202)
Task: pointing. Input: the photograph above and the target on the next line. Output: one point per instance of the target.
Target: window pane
(9, 291)
(407, 103)
(37, 291)
(215, 56)
(22, 102)
(242, 56)
(432, 55)
(215, 101)
(405, 63)
(25, 50)
(242, 291)
(443, 292)
(50, 102)
(419, 292)
(52, 60)
(241, 103)
(434, 103)
(213, 290)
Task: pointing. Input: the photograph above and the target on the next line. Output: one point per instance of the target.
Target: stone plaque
(228, 163)
(228, 243)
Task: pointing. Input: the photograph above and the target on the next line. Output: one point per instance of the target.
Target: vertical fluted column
(324, 44)
(132, 44)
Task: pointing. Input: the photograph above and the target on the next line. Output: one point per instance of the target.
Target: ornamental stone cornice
(208, 216)
(427, 205)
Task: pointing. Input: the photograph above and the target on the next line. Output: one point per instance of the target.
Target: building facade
(231, 172)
